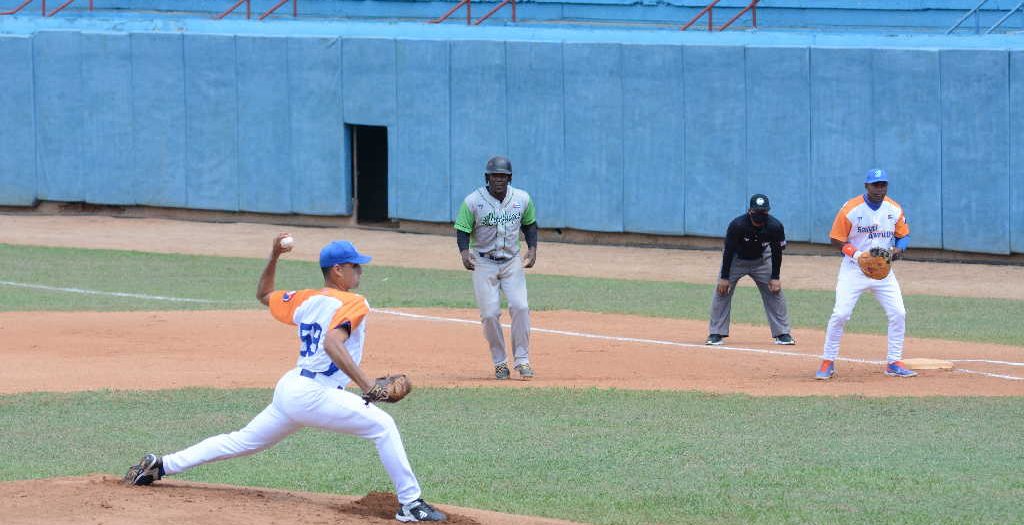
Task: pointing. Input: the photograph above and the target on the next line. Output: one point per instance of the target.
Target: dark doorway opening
(370, 174)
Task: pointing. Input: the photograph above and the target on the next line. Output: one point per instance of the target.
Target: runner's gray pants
(490, 278)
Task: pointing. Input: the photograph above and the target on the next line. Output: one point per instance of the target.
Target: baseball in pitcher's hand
(467, 260)
(277, 250)
(774, 286)
(723, 287)
(531, 257)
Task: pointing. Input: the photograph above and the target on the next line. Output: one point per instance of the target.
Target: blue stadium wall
(610, 131)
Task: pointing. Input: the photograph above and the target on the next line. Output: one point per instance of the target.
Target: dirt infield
(253, 351)
(570, 349)
(102, 499)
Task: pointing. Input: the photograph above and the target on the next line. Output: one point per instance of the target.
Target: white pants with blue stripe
(303, 402)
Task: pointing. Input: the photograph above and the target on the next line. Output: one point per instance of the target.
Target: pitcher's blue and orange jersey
(315, 312)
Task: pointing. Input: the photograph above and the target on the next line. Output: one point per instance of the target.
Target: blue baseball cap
(876, 175)
(341, 252)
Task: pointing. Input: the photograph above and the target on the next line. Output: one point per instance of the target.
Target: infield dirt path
(434, 251)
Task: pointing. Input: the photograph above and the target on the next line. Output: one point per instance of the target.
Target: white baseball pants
(850, 284)
(303, 402)
(489, 279)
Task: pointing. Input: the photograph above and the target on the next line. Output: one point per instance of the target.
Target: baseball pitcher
(330, 325)
(487, 233)
(871, 231)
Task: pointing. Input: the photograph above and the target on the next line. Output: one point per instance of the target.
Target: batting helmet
(499, 165)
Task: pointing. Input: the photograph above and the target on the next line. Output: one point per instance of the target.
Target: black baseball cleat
(714, 340)
(149, 469)
(419, 510)
(785, 339)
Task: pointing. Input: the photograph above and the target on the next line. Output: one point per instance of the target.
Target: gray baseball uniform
(494, 228)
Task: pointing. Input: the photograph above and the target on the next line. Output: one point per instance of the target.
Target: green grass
(230, 283)
(598, 456)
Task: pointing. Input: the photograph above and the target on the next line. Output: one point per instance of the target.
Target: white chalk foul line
(986, 374)
(1007, 363)
(114, 294)
(694, 345)
(541, 330)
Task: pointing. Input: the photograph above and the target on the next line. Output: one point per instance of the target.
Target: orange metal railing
(248, 10)
(42, 8)
(469, 12)
(752, 7)
(496, 9)
(295, 8)
(709, 10)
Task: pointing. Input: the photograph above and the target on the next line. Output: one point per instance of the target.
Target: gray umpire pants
(760, 270)
(489, 279)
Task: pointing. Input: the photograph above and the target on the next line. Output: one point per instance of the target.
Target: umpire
(753, 246)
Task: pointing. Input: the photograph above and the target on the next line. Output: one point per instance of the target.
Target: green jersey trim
(530, 215)
(465, 220)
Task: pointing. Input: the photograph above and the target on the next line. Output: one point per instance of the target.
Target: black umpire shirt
(746, 241)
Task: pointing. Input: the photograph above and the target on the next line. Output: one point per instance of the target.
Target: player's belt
(311, 374)
(494, 257)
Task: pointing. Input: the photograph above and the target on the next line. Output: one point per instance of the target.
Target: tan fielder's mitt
(875, 263)
(390, 389)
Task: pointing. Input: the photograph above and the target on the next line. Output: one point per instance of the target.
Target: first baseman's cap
(499, 165)
(341, 252)
(876, 175)
(759, 202)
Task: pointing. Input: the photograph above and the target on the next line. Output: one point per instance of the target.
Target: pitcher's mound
(102, 499)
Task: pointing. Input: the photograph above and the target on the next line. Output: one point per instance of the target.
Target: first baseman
(330, 325)
(487, 231)
(754, 243)
(867, 221)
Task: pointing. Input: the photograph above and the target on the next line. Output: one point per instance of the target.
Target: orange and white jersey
(859, 225)
(315, 312)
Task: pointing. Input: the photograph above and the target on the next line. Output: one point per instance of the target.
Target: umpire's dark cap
(499, 165)
(341, 252)
(759, 202)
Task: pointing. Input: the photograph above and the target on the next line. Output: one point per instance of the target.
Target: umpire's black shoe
(149, 469)
(714, 340)
(419, 510)
(785, 339)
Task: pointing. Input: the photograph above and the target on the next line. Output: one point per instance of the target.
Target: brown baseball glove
(390, 389)
(875, 263)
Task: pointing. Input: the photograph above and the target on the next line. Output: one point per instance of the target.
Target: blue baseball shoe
(419, 510)
(826, 371)
(896, 369)
(149, 469)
